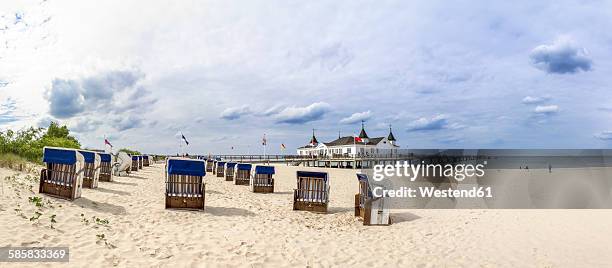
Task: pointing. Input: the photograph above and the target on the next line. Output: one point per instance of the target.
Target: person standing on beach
(549, 168)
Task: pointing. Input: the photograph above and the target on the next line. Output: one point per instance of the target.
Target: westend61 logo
(458, 172)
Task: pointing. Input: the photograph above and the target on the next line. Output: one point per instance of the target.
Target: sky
(443, 74)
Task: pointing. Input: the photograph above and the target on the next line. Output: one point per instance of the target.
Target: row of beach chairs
(140, 161)
(67, 171)
(311, 193)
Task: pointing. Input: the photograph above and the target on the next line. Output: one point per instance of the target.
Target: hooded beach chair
(312, 193)
(134, 163)
(145, 161)
(242, 174)
(63, 175)
(185, 187)
(105, 167)
(92, 169)
(229, 171)
(262, 181)
(220, 169)
(140, 162)
(372, 210)
(209, 165)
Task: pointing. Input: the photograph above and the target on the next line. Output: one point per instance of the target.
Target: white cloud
(546, 109)
(535, 100)
(234, 113)
(604, 135)
(356, 117)
(561, 57)
(437, 122)
(300, 115)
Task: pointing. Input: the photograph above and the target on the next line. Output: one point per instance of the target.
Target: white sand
(243, 229)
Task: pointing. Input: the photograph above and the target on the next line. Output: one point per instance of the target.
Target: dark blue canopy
(105, 157)
(364, 177)
(139, 157)
(219, 163)
(134, 157)
(186, 167)
(145, 157)
(59, 156)
(90, 157)
(264, 169)
(231, 164)
(311, 174)
(244, 166)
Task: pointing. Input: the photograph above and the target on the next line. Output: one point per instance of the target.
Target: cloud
(234, 113)
(437, 122)
(272, 110)
(535, 100)
(561, 57)
(356, 117)
(546, 109)
(127, 122)
(65, 98)
(332, 57)
(83, 125)
(300, 115)
(114, 91)
(7, 110)
(604, 135)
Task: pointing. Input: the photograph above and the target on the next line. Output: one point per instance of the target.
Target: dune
(124, 224)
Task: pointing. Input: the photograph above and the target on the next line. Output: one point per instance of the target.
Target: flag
(232, 147)
(264, 141)
(106, 142)
(358, 139)
(283, 146)
(185, 139)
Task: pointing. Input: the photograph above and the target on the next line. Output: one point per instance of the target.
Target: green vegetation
(129, 151)
(17, 147)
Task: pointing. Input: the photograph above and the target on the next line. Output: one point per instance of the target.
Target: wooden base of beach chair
(188, 203)
(55, 190)
(229, 177)
(310, 206)
(134, 168)
(220, 174)
(192, 203)
(105, 177)
(89, 183)
(242, 181)
(209, 169)
(365, 212)
(263, 189)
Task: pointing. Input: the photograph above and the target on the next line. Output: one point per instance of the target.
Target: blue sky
(445, 74)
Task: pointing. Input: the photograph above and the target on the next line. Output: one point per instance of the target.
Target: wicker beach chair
(242, 174)
(91, 175)
(105, 167)
(209, 165)
(262, 180)
(312, 193)
(185, 187)
(63, 175)
(372, 210)
(145, 161)
(229, 171)
(140, 162)
(134, 163)
(220, 169)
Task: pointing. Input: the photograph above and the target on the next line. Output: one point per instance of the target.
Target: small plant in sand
(84, 220)
(37, 201)
(102, 238)
(99, 221)
(53, 221)
(36, 216)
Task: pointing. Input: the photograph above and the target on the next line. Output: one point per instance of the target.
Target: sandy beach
(124, 224)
